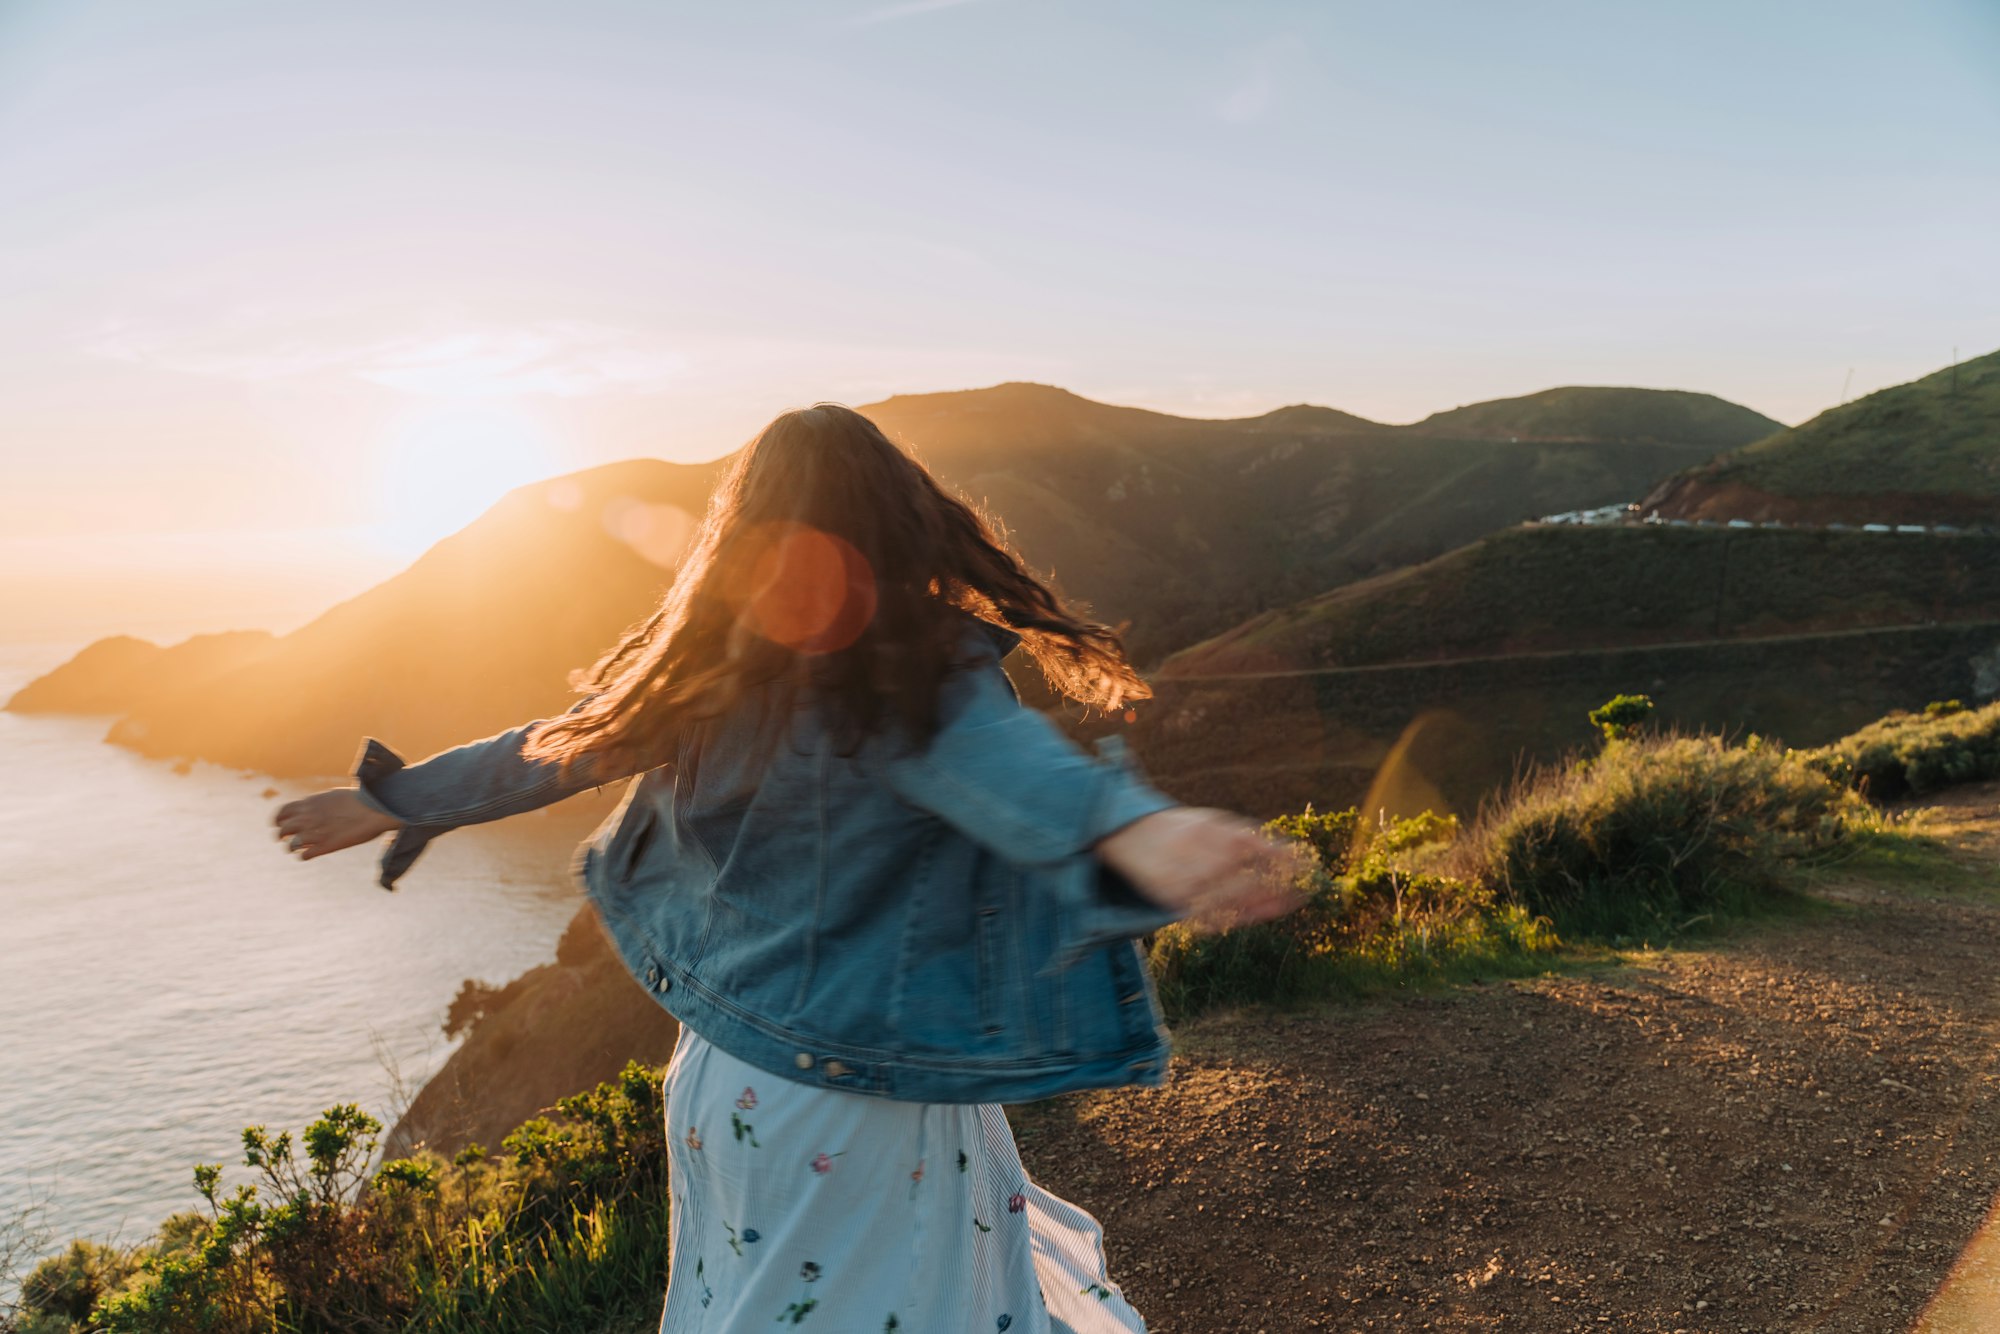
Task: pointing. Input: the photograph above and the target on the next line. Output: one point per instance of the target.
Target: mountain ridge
(1924, 450)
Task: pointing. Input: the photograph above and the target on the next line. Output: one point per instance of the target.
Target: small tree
(1622, 716)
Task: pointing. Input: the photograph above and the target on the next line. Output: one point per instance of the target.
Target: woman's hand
(329, 821)
(1217, 867)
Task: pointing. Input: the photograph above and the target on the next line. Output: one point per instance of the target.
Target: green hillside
(1594, 413)
(1926, 450)
(1429, 686)
(1555, 588)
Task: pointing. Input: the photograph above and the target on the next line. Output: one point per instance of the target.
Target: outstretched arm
(1008, 778)
(470, 784)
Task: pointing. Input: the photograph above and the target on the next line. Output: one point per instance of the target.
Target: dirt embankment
(1714, 495)
(555, 1029)
(1795, 1128)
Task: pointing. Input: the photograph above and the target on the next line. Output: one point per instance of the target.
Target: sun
(443, 467)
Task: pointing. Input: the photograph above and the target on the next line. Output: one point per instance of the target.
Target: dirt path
(1797, 1128)
(1832, 638)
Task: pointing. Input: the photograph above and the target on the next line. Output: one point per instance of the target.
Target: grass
(1631, 844)
(1910, 754)
(1650, 841)
(1931, 436)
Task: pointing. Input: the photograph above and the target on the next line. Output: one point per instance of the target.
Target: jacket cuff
(375, 764)
(1126, 796)
(1099, 906)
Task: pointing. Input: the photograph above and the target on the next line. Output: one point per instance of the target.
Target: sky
(289, 291)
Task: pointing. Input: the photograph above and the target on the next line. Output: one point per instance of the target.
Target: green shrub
(1376, 915)
(1622, 716)
(1332, 836)
(64, 1289)
(1655, 831)
(1909, 754)
(568, 1232)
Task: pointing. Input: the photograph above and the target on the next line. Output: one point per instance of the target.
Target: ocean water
(170, 974)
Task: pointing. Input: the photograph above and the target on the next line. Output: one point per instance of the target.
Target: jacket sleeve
(468, 784)
(1006, 776)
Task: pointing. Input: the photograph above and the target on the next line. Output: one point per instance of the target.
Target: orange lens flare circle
(804, 588)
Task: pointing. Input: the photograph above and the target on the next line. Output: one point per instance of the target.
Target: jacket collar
(1004, 639)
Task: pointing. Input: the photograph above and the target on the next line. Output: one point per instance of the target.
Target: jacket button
(803, 1060)
(1128, 1000)
(835, 1068)
(652, 976)
(666, 983)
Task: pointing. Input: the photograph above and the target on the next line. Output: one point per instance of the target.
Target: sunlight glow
(658, 533)
(443, 467)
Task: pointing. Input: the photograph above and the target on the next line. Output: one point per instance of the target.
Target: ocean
(169, 974)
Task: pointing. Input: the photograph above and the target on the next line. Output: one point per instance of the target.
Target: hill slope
(1578, 412)
(1926, 450)
(1429, 685)
(1518, 591)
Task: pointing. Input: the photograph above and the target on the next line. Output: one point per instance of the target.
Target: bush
(1654, 831)
(1909, 754)
(1621, 716)
(568, 1232)
(66, 1288)
(1376, 915)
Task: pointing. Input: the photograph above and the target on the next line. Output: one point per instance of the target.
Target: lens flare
(803, 588)
(657, 533)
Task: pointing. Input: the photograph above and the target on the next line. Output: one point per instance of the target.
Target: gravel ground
(1793, 1128)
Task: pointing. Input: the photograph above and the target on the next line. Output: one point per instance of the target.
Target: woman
(881, 896)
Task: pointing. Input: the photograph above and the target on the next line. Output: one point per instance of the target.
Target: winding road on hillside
(1795, 1127)
(1525, 655)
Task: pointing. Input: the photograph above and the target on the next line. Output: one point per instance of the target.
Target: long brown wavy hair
(828, 558)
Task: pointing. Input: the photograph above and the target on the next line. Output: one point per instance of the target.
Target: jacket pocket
(630, 842)
(989, 981)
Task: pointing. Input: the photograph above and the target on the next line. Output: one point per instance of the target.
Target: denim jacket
(927, 924)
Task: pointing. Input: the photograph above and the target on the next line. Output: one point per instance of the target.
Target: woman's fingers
(1213, 865)
(1259, 883)
(327, 822)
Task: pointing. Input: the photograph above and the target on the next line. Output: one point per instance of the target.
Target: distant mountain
(1177, 525)
(1928, 450)
(477, 634)
(1591, 413)
(114, 674)
(1181, 525)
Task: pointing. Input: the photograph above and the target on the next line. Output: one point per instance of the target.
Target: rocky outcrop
(555, 1029)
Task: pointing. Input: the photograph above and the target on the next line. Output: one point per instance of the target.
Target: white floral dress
(795, 1205)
